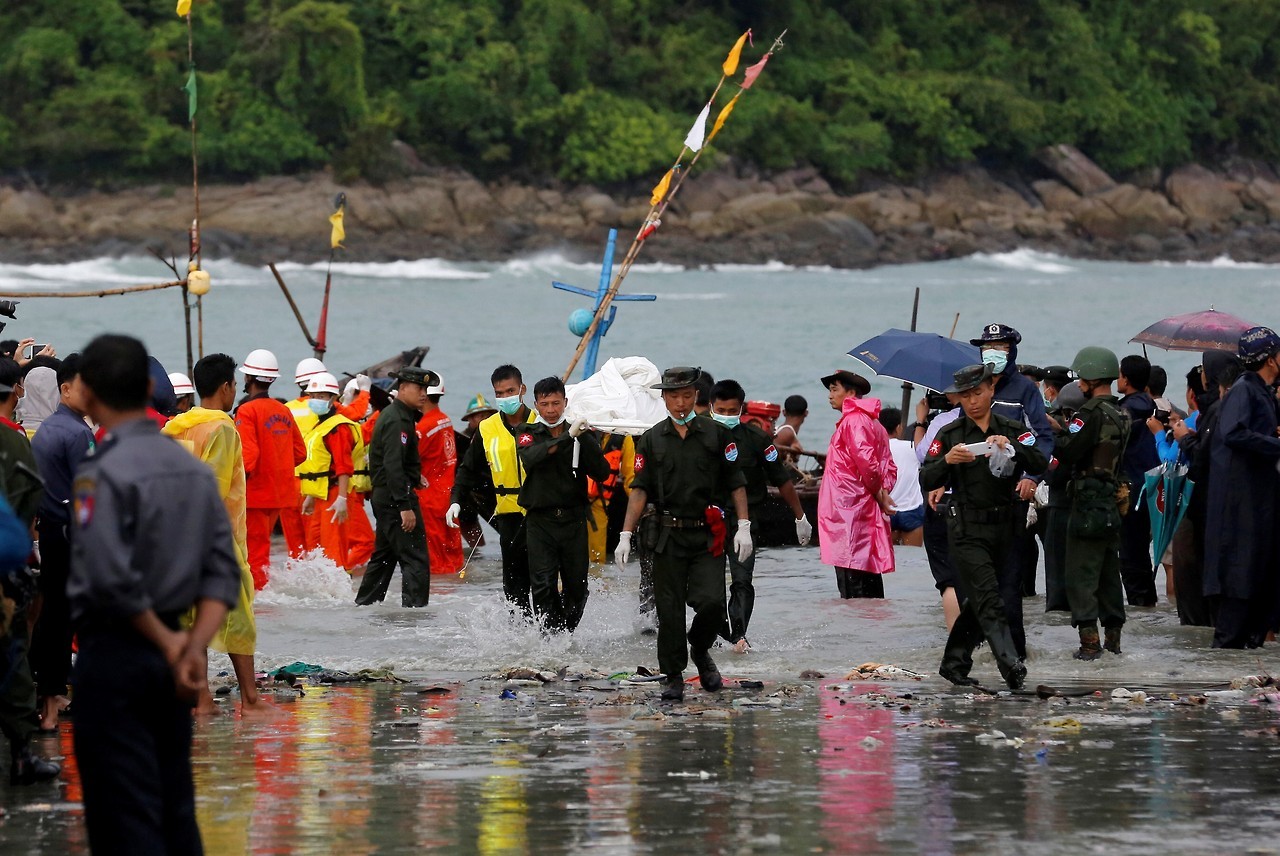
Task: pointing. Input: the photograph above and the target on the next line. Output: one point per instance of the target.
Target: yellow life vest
(307, 421)
(316, 471)
(504, 463)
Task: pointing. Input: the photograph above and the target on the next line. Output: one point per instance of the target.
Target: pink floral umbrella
(1196, 331)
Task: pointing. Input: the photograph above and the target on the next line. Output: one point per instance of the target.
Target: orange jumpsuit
(359, 529)
(333, 537)
(273, 446)
(438, 452)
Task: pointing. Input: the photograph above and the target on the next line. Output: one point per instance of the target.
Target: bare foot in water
(205, 705)
(742, 646)
(260, 710)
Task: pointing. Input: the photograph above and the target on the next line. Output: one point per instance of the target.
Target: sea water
(837, 765)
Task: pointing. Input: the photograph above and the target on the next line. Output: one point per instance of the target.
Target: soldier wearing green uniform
(684, 464)
(394, 469)
(761, 466)
(557, 459)
(1091, 449)
(981, 524)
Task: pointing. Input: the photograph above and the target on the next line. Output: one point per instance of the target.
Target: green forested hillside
(603, 90)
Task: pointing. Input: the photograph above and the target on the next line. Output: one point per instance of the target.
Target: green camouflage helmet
(1094, 363)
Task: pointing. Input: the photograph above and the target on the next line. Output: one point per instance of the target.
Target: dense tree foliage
(603, 90)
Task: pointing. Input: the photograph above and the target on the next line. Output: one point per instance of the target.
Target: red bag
(715, 523)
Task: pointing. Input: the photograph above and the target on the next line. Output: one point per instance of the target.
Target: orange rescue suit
(438, 452)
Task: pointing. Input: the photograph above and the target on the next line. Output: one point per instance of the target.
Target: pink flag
(749, 76)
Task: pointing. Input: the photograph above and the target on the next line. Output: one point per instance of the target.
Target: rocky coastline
(1066, 205)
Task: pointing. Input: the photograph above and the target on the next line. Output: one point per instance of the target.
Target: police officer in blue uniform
(152, 541)
(1018, 398)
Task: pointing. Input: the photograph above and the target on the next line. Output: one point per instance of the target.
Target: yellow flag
(660, 191)
(339, 234)
(184, 8)
(720, 120)
(731, 61)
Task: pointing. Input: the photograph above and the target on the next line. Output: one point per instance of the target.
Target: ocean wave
(553, 262)
(1025, 259)
(1220, 263)
(418, 269)
(78, 275)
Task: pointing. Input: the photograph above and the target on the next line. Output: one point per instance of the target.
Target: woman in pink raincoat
(852, 504)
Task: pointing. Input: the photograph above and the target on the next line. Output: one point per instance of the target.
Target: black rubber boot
(1090, 647)
(674, 690)
(708, 674)
(1111, 640)
(1006, 654)
(28, 768)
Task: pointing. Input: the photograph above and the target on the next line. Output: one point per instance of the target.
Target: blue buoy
(580, 321)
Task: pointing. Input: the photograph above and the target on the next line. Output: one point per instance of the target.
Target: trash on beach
(320, 675)
(882, 670)
(507, 694)
(1252, 681)
(1063, 723)
(1122, 694)
(771, 701)
(811, 675)
(870, 743)
(1226, 695)
(436, 690)
(998, 738)
(519, 673)
(701, 774)
(751, 685)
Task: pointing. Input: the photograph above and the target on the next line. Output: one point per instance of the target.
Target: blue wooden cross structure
(580, 319)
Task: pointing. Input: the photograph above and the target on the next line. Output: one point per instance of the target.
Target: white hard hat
(438, 388)
(261, 363)
(181, 384)
(322, 382)
(306, 368)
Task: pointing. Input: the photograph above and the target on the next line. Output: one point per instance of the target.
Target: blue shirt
(61, 443)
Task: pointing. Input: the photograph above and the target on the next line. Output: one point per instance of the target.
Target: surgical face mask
(318, 406)
(995, 358)
(688, 417)
(509, 405)
(559, 421)
(727, 421)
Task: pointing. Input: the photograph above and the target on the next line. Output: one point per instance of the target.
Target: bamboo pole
(195, 191)
(296, 313)
(651, 219)
(106, 292)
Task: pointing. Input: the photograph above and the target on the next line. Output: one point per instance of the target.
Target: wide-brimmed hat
(969, 378)
(678, 377)
(857, 382)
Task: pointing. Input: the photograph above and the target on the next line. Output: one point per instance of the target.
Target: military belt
(999, 514)
(672, 522)
(565, 513)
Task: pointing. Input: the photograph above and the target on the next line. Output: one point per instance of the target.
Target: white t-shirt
(906, 494)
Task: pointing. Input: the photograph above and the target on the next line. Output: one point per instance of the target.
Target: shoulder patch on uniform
(638, 466)
(1026, 438)
(1076, 425)
(404, 438)
(83, 491)
(731, 452)
(935, 448)
(525, 440)
(771, 454)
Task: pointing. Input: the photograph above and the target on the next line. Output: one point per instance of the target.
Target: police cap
(416, 374)
(678, 377)
(849, 380)
(1033, 372)
(969, 377)
(997, 333)
(1059, 376)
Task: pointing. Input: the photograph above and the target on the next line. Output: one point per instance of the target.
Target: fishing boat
(391, 365)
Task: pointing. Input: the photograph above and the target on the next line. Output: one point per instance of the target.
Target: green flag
(190, 89)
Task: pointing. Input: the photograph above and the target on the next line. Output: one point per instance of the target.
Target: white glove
(579, 425)
(804, 530)
(349, 392)
(339, 509)
(364, 382)
(742, 541)
(623, 553)
(451, 516)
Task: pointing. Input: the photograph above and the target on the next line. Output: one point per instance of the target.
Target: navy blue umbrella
(925, 359)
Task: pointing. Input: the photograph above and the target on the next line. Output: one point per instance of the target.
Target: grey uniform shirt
(151, 531)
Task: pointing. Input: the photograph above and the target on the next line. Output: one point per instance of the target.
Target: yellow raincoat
(211, 436)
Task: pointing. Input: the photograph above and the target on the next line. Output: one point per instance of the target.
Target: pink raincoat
(853, 530)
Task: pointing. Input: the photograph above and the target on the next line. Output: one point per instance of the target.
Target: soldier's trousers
(742, 592)
(1009, 577)
(392, 546)
(978, 551)
(685, 573)
(558, 559)
(133, 748)
(18, 718)
(515, 560)
(51, 643)
(1055, 558)
(1094, 588)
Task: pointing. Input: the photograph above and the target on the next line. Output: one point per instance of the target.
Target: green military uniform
(1091, 450)
(981, 528)
(23, 489)
(761, 466)
(554, 496)
(683, 477)
(395, 471)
